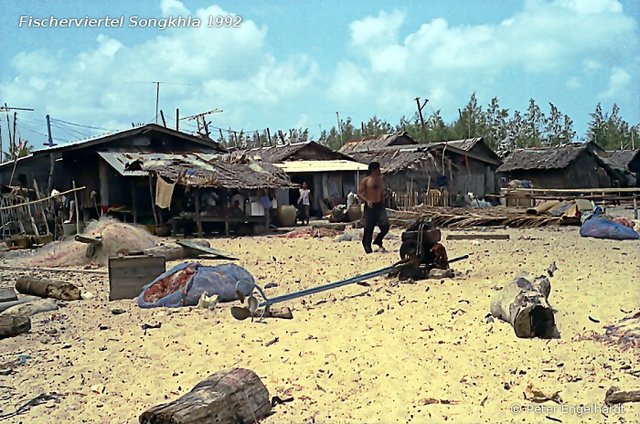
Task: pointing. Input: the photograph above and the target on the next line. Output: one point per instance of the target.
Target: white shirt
(304, 196)
(351, 199)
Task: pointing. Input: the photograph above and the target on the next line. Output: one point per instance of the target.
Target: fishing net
(624, 334)
(117, 237)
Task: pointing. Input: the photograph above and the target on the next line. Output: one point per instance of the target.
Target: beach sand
(355, 354)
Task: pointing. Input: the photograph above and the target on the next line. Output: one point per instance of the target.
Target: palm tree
(21, 150)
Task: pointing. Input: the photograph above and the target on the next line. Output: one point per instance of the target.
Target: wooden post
(635, 206)
(198, 217)
(42, 206)
(134, 204)
(177, 119)
(153, 201)
(75, 197)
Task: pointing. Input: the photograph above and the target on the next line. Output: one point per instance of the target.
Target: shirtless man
(371, 191)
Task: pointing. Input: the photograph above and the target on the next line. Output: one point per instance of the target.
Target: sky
(290, 64)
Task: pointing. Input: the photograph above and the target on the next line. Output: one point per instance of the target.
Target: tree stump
(47, 288)
(525, 306)
(12, 325)
(229, 396)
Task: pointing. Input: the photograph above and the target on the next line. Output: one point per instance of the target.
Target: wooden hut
(573, 165)
(330, 175)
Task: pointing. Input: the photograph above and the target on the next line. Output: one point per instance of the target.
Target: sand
(353, 355)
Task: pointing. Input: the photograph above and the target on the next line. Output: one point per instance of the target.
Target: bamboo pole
(153, 201)
(43, 199)
(75, 197)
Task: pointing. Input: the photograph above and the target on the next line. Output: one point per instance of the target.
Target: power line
(81, 125)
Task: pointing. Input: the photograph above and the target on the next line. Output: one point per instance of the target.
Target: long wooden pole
(153, 201)
(43, 199)
(75, 197)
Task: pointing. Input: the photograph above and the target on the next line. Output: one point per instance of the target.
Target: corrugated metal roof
(200, 169)
(301, 166)
(118, 161)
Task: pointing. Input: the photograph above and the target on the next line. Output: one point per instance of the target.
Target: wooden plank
(128, 274)
(478, 237)
(44, 269)
(205, 250)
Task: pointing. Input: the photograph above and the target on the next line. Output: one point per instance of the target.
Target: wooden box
(128, 274)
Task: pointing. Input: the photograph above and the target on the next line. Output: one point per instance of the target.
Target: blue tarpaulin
(599, 227)
(184, 284)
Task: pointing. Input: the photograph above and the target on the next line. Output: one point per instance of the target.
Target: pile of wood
(546, 213)
(468, 217)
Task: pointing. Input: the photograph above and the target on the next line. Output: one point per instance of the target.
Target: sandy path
(369, 358)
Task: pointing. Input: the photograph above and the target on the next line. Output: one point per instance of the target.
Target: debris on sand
(116, 237)
(625, 333)
(309, 233)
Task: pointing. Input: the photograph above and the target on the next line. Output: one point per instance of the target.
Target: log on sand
(614, 396)
(525, 306)
(12, 325)
(47, 288)
(228, 396)
(542, 207)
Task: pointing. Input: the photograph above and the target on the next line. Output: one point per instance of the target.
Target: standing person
(371, 191)
(304, 203)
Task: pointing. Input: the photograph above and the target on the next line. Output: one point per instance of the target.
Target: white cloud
(173, 8)
(573, 83)
(202, 68)
(551, 38)
(619, 82)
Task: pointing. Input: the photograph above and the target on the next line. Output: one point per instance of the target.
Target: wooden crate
(128, 274)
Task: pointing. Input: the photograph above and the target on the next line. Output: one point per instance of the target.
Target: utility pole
(157, 83)
(49, 137)
(420, 107)
(13, 141)
(340, 129)
(177, 119)
(11, 137)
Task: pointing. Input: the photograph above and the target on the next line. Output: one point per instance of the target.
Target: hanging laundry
(164, 192)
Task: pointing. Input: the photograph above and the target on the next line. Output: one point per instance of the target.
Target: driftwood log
(12, 325)
(31, 308)
(47, 288)
(230, 396)
(524, 305)
(614, 396)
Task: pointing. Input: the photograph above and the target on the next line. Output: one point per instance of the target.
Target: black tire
(408, 249)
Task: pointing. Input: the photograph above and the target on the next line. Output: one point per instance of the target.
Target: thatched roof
(399, 160)
(297, 151)
(621, 159)
(375, 143)
(218, 171)
(543, 158)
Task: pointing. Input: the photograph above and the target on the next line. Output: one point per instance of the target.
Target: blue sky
(295, 63)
